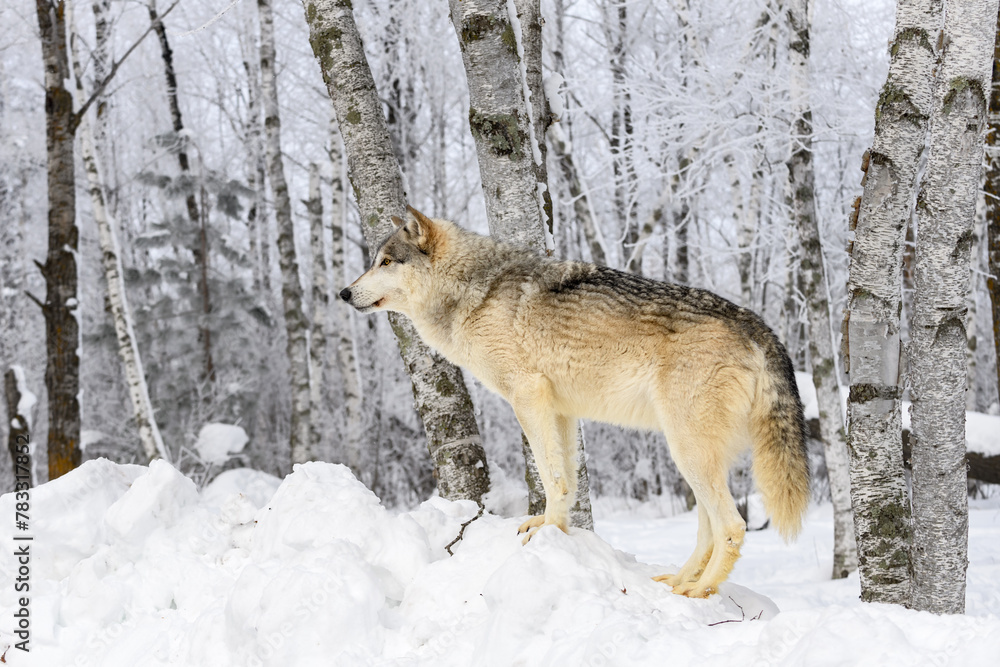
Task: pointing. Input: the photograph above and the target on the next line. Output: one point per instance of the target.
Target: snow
(216, 442)
(552, 85)
(982, 431)
(25, 404)
(133, 565)
(90, 437)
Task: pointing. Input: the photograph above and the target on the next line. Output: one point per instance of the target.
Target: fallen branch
(461, 531)
(743, 615)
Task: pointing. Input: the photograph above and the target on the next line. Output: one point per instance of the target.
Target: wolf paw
(692, 589)
(531, 527)
(668, 579)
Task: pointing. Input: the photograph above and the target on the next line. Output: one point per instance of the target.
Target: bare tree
(320, 308)
(62, 371)
(441, 398)
(558, 133)
(296, 325)
(992, 191)
(128, 349)
(342, 317)
(878, 489)
(500, 120)
(946, 207)
(802, 183)
(530, 17)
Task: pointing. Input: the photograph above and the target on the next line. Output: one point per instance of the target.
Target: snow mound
(217, 442)
(132, 565)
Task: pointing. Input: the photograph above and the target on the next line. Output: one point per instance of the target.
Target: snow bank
(132, 565)
(217, 442)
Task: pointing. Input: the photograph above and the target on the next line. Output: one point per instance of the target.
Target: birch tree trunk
(257, 227)
(530, 17)
(346, 356)
(878, 489)
(441, 398)
(128, 350)
(62, 329)
(992, 192)
(135, 378)
(946, 208)
(559, 134)
(320, 309)
(500, 119)
(615, 16)
(802, 180)
(296, 325)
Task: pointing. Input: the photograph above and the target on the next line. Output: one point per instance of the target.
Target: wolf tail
(778, 431)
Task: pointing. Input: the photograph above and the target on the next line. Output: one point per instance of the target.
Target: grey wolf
(563, 341)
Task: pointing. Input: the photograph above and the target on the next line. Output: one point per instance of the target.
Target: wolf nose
(345, 294)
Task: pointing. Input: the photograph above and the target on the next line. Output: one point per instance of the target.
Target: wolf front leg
(547, 432)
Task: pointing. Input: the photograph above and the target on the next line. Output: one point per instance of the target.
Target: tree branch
(99, 88)
(35, 299)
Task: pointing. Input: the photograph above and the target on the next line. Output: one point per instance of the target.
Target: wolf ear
(418, 224)
(420, 228)
(397, 221)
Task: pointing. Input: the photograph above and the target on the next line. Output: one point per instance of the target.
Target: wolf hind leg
(703, 451)
(546, 432)
(695, 565)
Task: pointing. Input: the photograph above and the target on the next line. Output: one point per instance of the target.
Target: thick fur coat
(561, 341)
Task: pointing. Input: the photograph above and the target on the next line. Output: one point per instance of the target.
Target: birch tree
(507, 148)
(946, 206)
(342, 317)
(296, 325)
(802, 182)
(439, 390)
(992, 191)
(320, 308)
(529, 16)
(128, 349)
(878, 489)
(62, 372)
(257, 227)
(559, 133)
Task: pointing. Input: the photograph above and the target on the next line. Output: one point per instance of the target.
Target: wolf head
(399, 266)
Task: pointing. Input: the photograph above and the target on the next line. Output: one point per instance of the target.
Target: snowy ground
(133, 566)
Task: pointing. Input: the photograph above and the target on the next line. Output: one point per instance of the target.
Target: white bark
(878, 489)
(946, 209)
(802, 178)
(342, 317)
(260, 257)
(320, 309)
(441, 398)
(498, 118)
(142, 407)
(992, 197)
(135, 377)
(505, 144)
(296, 325)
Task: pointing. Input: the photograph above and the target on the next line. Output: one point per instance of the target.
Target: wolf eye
(385, 261)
